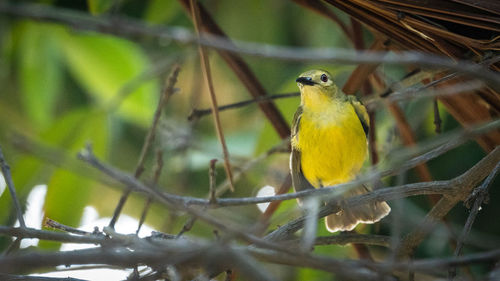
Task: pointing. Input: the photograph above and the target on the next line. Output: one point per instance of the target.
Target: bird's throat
(315, 100)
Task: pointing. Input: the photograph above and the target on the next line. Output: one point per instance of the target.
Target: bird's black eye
(324, 78)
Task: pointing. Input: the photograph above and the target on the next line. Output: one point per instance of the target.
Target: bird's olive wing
(299, 181)
(360, 110)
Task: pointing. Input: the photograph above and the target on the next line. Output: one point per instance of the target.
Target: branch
(135, 29)
(464, 185)
(198, 113)
(438, 187)
(51, 235)
(350, 238)
(460, 184)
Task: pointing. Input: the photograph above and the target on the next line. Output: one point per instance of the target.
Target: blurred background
(64, 87)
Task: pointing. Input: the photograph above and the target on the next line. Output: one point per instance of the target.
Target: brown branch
(148, 141)
(205, 65)
(239, 67)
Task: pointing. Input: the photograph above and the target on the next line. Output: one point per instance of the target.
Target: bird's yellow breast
(332, 143)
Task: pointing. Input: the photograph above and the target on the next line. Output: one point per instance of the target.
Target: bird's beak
(305, 81)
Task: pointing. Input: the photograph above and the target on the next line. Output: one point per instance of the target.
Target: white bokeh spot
(264, 192)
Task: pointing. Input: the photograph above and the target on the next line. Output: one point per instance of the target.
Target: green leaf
(103, 65)
(97, 7)
(39, 71)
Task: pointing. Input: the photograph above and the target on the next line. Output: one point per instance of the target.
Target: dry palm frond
(460, 29)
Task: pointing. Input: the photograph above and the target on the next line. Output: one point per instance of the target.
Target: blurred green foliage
(63, 88)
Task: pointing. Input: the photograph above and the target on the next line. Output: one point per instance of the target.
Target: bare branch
(436, 187)
(56, 225)
(50, 235)
(198, 113)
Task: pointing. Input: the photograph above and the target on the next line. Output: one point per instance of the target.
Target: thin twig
(479, 195)
(164, 97)
(350, 238)
(56, 225)
(212, 181)
(198, 113)
(437, 118)
(12, 189)
(147, 205)
(205, 64)
(187, 226)
(27, 232)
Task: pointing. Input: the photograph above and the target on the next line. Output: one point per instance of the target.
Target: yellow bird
(329, 146)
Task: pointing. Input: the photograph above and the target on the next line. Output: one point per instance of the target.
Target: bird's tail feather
(346, 220)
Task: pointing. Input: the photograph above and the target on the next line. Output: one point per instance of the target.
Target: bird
(329, 145)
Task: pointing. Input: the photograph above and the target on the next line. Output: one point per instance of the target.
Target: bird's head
(317, 86)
